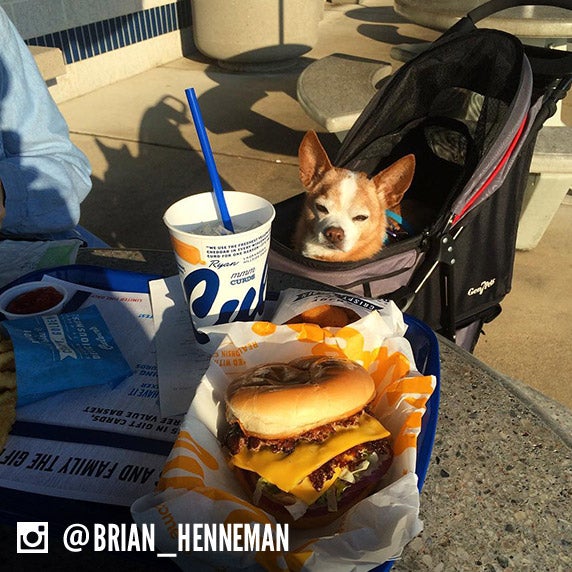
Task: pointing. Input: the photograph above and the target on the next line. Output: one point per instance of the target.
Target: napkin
(65, 351)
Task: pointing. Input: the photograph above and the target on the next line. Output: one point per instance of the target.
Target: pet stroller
(469, 108)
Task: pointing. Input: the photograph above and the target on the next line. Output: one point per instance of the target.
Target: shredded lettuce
(297, 509)
(373, 462)
(350, 476)
(293, 505)
(260, 484)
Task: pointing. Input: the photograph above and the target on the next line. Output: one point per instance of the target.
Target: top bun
(283, 400)
(326, 315)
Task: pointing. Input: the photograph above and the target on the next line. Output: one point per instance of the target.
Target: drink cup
(223, 274)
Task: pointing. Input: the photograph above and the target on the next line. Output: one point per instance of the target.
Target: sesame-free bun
(326, 315)
(282, 400)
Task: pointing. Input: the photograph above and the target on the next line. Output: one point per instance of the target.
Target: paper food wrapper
(197, 486)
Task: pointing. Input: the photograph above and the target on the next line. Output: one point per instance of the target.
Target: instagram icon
(32, 537)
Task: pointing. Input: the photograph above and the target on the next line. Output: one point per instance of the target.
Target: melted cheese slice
(286, 471)
(305, 489)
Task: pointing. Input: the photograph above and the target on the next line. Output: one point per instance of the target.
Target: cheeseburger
(302, 441)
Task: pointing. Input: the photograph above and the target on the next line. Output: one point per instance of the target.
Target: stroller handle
(556, 63)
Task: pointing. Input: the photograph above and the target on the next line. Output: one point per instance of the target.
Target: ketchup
(36, 300)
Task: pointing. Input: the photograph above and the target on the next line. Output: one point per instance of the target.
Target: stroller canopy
(461, 109)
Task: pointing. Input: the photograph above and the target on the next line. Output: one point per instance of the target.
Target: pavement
(145, 155)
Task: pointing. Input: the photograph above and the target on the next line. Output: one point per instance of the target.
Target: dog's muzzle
(335, 235)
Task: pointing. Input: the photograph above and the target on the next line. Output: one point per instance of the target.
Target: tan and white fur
(343, 217)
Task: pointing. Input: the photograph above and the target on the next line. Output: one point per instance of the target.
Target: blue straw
(209, 158)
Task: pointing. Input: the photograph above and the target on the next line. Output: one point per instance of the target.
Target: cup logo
(204, 305)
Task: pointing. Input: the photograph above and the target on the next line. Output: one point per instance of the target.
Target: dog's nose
(334, 234)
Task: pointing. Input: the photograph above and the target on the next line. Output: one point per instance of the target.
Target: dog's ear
(394, 181)
(313, 160)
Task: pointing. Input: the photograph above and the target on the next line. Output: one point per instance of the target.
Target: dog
(345, 213)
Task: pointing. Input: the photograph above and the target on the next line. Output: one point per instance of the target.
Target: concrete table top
(523, 21)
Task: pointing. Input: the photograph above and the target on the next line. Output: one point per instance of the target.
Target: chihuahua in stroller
(346, 215)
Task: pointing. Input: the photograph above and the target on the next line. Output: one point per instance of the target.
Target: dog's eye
(360, 217)
(321, 209)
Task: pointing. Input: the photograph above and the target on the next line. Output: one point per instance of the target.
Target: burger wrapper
(198, 486)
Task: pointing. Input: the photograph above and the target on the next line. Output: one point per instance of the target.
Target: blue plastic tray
(94, 276)
(426, 352)
(422, 339)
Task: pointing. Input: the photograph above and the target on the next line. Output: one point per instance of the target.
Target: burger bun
(279, 401)
(326, 315)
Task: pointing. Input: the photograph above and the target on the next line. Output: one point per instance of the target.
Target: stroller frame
(470, 108)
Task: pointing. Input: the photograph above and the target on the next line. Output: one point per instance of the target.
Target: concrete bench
(50, 62)
(334, 91)
(548, 184)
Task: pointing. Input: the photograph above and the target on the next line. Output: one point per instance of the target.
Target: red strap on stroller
(492, 176)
